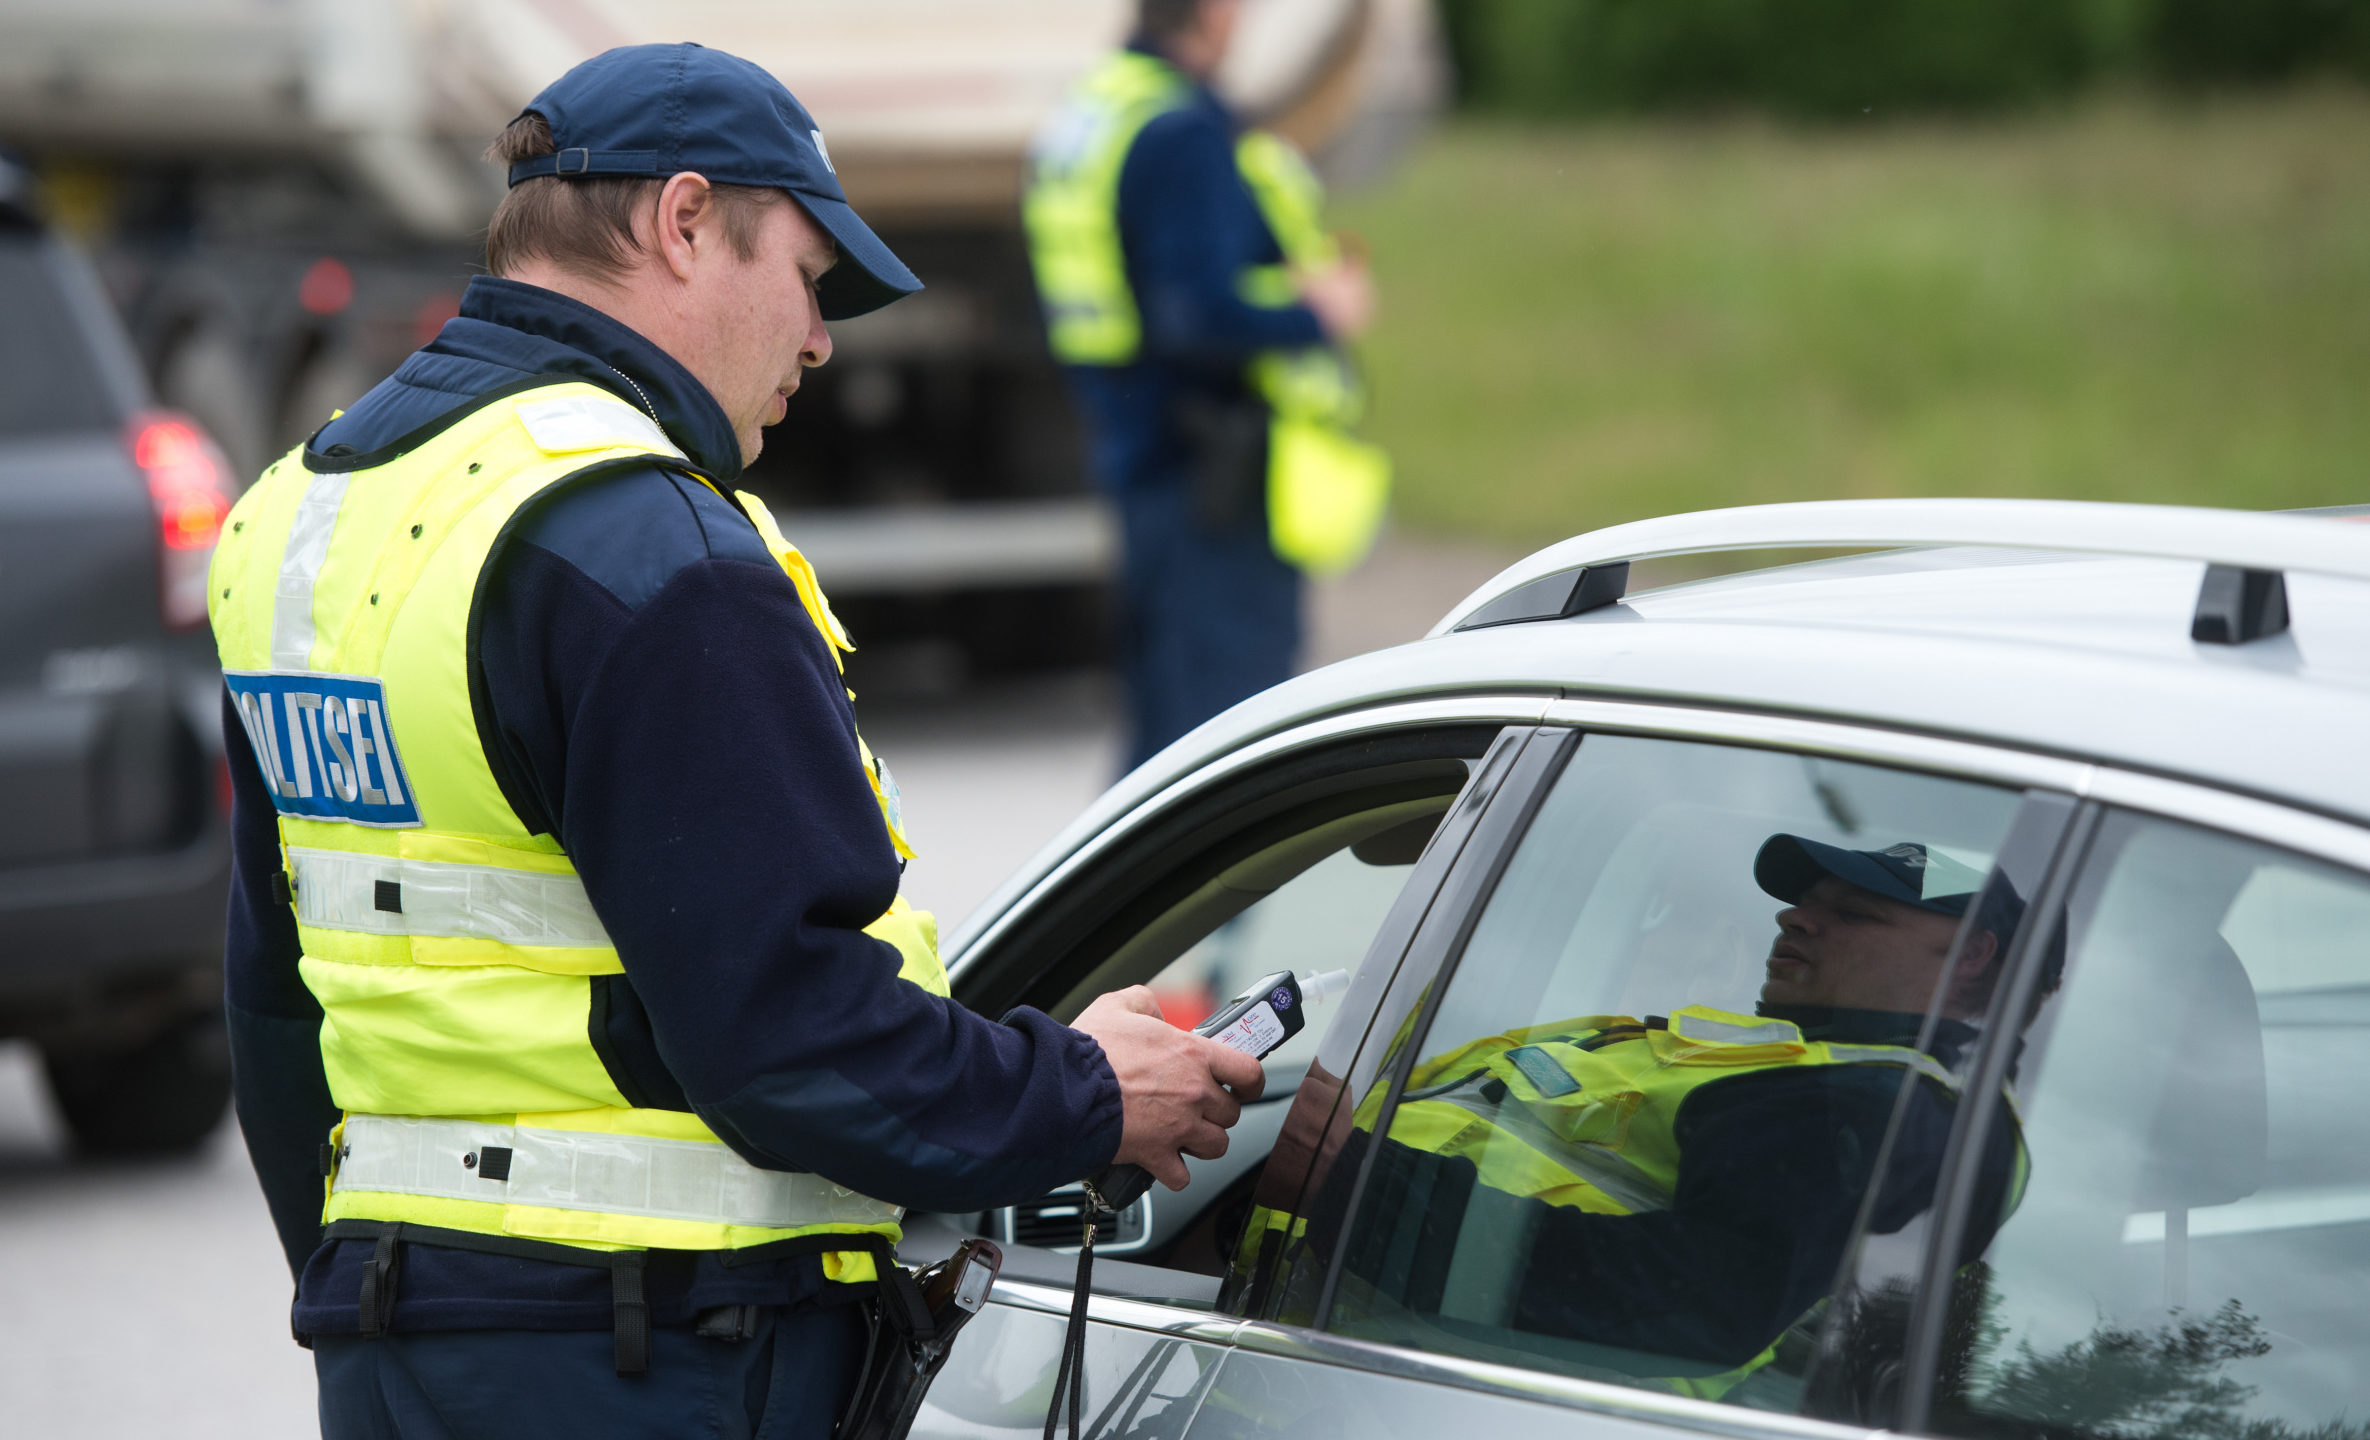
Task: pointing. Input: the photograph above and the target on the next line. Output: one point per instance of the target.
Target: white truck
(286, 197)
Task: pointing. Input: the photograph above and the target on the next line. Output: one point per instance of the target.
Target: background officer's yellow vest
(451, 949)
(1326, 489)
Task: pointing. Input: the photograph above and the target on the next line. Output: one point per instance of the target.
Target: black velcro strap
(493, 1162)
(902, 1304)
(387, 895)
(328, 1159)
(791, 1249)
(514, 1246)
(379, 1274)
(281, 893)
(631, 1310)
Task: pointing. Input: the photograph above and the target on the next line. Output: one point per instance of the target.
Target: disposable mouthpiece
(1317, 989)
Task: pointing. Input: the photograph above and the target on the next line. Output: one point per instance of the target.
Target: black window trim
(1956, 1189)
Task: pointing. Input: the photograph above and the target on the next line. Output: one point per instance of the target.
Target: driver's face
(1840, 945)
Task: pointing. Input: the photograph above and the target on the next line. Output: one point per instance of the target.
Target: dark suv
(114, 853)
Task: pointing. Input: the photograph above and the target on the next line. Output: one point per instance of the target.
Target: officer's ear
(1973, 973)
(686, 219)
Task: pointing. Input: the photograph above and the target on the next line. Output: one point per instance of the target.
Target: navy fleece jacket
(1188, 228)
(665, 708)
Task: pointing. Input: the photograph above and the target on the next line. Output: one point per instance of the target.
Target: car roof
(2060, 652)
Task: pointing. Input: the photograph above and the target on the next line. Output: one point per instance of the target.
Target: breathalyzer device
(1269, 1012)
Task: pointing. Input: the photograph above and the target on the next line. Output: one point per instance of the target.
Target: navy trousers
(790, 1382)
(1209, 616)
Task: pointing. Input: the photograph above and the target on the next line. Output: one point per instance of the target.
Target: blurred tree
(1842, 58)
(1802, 57)
(2257, 40)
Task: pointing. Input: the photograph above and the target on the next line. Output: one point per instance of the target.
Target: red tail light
(190, 483)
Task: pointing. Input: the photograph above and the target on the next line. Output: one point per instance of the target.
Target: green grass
(2128, 300)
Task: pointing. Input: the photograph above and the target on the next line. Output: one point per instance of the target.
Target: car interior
(1292, 867)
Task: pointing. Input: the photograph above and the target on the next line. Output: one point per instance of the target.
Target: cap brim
(868, 275)
(1788, 865)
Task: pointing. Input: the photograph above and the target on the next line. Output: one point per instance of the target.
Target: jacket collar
(590, 345)
(1203, 95)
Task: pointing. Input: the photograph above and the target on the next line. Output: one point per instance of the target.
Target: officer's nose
(1795, 919)
(818, 345)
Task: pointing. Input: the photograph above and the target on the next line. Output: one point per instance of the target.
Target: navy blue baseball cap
(1789, 865)
(651, 111)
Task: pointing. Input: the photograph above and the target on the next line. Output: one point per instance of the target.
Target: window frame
(1456, 910)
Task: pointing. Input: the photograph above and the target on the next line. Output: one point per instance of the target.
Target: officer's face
(1843, 946)
(763, 323)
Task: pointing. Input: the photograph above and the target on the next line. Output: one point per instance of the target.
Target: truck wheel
(159, 1098)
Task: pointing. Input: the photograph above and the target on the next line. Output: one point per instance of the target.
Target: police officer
(1681, 1188)
(566, 955)
(1197, 303)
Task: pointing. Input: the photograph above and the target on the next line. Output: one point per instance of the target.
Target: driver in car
(1684, 1186)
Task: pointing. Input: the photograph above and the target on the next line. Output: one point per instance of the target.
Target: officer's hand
(1342, 296)
(1170, 1082)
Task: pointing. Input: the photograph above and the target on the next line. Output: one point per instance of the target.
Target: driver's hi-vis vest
(453, 951)
(1584, 1112)
(1592, 1104)
(1326, 489)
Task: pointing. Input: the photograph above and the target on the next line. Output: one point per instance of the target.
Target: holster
(910, 1338)
(1225, 442)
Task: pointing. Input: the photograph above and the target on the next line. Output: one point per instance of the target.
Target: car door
(1423, 1279)
(1318, 849)
(2188, 1255)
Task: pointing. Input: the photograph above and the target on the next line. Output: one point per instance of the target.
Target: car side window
(1713, 988)
(2185, 1257)
(1293, 873)
(1317, 921)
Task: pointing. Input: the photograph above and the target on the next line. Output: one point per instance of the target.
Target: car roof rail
(1592, 570)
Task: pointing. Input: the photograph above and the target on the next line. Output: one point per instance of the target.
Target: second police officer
(1197, 302)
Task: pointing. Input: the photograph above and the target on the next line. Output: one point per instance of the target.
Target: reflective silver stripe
(590, 1170)
(340, 890)
(1697, 1026)
(300, 566)
(1917, 1060)
(566, 423)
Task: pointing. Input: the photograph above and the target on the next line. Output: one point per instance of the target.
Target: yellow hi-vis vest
(1583, 1113)
(451, 949)
(1326, 489)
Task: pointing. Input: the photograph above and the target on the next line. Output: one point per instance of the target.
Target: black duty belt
(900, 1304)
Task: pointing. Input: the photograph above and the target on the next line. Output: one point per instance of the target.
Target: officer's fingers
(1169, 1169)
(1236, 1071)
(1203, 1141)
(1111, 1016)
(1220, 1108)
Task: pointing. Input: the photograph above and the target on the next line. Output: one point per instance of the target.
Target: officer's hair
(1162, 19)
(586, 226)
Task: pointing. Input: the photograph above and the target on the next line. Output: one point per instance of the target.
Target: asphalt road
(151, 1299)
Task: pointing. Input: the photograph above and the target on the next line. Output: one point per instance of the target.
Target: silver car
(1641, 1114)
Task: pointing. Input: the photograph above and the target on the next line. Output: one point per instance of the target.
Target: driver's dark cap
(1789, 865)
(651, 111)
